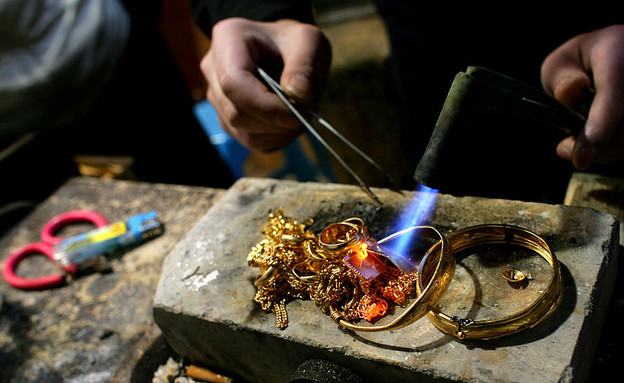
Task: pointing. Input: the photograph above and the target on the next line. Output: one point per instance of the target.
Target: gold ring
(340, 235)
(290, 239)
(262, 278)
(464, 328)
(313, 251)
(305, 279)
(427, 297)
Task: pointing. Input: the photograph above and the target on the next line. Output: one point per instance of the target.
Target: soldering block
(204, 300)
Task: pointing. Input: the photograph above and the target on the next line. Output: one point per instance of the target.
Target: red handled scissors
(46, 247)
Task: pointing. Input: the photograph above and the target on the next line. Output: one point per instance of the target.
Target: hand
(247, 109)
(591, 60)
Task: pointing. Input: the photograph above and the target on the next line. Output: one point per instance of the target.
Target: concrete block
(203, 302)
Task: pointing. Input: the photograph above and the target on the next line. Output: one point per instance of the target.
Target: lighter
(79, 248)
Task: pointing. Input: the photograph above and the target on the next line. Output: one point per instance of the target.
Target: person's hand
(591, 60)
(247, 109)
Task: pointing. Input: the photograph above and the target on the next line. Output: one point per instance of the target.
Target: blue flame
(416, 213)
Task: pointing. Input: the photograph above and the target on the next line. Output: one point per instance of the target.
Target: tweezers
(277, 89)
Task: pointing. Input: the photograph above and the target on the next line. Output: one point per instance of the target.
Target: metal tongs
(276, 87)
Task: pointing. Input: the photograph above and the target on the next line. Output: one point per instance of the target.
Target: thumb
(306, 57)
(298, 82)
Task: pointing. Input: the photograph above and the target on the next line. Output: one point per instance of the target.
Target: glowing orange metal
(364, 262)
(373, 310)
(362, 253)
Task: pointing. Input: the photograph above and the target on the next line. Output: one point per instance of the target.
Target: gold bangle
(464, 328)
(427, 297)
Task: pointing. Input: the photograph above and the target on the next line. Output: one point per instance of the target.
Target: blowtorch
(495, 137)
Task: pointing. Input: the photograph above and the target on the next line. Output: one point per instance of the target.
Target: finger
(245, 99)
(306, 60)
(233, 118)
(248, 130)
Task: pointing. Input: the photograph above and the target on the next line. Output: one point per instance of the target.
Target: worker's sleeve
(206, 13)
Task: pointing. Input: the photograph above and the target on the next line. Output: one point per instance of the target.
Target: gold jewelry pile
(294, 265)
(352, 277)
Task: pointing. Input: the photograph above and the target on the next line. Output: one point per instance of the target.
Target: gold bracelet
(427, 297)
(465, 328)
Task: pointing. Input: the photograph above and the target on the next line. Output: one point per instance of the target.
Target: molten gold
(442, 258)
(465, 328)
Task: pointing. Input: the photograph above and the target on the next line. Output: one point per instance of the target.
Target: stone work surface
(81, 332)
(203, 302)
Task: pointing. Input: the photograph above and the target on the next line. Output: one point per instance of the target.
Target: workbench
(83, 332)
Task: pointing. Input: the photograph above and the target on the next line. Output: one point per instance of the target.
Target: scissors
(46, 247)
(75, 251)
(277, 89)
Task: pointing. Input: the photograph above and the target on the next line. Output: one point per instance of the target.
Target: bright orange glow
(374, 310)
(362, 253)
